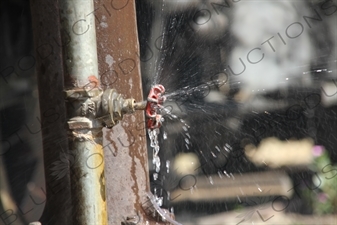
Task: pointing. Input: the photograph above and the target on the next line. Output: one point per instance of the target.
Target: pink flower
(322, 197)
(317, 150)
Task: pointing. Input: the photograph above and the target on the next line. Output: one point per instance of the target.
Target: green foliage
(325, 200)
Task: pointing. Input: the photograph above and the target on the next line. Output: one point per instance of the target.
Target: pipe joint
(114, 106)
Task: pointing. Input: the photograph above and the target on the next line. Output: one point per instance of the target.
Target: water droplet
(211, 180)
(225, 172)
(164, 135)
(155, 176)
(168, 166)
(159, 200)
(156, 162)
(232, 176)
(227, 147)
(187, 141)
(172, 210)
(185, 128)
(168, 195)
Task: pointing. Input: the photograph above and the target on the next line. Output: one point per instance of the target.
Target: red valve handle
(154, 103)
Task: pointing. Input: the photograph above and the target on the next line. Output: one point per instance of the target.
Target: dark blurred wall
(19, 132)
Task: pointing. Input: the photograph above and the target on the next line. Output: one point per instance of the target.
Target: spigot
(96, 108)
(115, 106)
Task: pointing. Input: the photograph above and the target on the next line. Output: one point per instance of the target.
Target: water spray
(153, 109)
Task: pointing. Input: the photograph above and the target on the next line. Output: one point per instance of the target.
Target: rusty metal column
(83, 103)
(126, 165)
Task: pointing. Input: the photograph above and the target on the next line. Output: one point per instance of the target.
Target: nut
(76, 123)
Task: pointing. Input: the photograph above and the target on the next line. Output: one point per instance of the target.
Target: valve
(155, 100)
(96, 108)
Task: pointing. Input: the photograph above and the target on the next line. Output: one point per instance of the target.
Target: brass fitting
(115, 106)
(99, 108)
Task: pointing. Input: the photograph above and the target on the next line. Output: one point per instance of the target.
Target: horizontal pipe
(140, 105)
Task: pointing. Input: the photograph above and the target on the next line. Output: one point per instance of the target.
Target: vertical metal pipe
(79, 37)
(88, 183)
(85, 142)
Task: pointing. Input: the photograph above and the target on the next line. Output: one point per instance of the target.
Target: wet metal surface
(126, 160)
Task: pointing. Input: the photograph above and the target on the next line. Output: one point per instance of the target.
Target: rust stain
(102, 183)
(135, 187)
(93, 81)
(98, 167)
(119, 41)
(108, 137)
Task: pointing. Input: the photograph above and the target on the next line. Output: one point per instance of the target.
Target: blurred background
(21, 164)
(251, 114)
